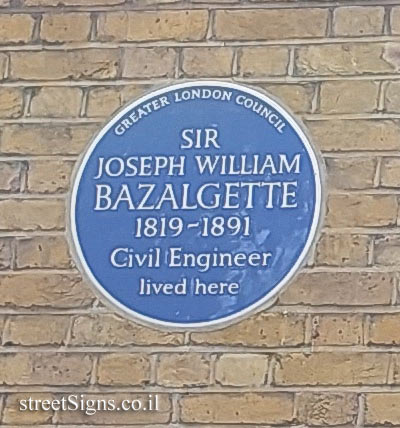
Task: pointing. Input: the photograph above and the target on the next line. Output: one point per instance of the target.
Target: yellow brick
(342, 250)
(382, 409)
(316, 369)
(31, 214)
(46, 140)
(103, 330)
(10, 176)
(358, 21)
(263, 61)
(395, 20)
(337, 330)
(116, 419)
(45, 369)
(361, 210)
(385, 329)
(392, 97)
(206, 62)
(179, 25)
(327, 408)
(12, 414)
(123, 369)
(390, 172)
(55, 65)
(11, 103)
(16, 28)
(149, 62)
(351, 173)
(346, 59)
(178, 370)
(56, 102)
(241, 369)
(349, 97)
(330, 135)
(387, 250)
(65, 27)
(261, 330)
(5, 253)
(297, 97)
(102, 102)
(49, 176)
(43, 252)
(242, 408)
(2, 323)
(44, 290)
(28, 330)
(270, 24)
(332, 288)
(3, 65)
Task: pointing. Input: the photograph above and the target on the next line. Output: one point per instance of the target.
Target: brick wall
(327, 353)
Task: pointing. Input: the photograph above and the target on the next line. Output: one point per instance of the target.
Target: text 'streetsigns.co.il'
(196, 204)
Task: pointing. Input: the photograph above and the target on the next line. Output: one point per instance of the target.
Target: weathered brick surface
(43, 252)
(337, 330)
(347, 59)
(390, 173)
(31, 330)
(262, 330)
(331, 135)
(270, 24)
(12, 415)
(317, 409)
(177, 25)
(16, 28)
(241, 370)
(385, 329)
(392, 97)
(263, 61)
(11, 103)
(104, 330)
(31, 214)
(317, 369)
(382, 409)
(349, 97)
(62, 27)
(5, 253)
(112, 369)
(10, 176)
(45, 369)
(149, 62)
(387, 250)
(351, 173)
(366, 210)
(274, 408)
(332, 288)
(358, 21)
(56, 65)
(49, 176)
(56, 102)
(28, 290)
(45, 140)
(205, 62)
(342, 250)
(180, 370)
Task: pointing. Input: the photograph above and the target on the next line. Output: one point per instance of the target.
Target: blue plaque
(196, 204)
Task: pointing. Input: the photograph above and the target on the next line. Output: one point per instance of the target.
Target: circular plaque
(195, 204)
